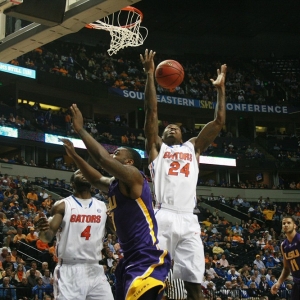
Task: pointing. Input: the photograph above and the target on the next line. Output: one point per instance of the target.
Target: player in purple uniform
(144, 268)
(290, 249)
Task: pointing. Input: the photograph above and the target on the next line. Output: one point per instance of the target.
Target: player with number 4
(78, 222)
(174, 170)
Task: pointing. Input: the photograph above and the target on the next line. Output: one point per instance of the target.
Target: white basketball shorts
(179, 233)
(81, 281)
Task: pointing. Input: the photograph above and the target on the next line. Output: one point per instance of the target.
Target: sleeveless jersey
(174, 175)
(291, 252)
(134, 219)
(82, 230)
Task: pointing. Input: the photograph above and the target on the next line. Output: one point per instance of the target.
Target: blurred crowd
(242, 259)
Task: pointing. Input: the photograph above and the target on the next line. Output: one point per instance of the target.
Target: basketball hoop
(124, 27)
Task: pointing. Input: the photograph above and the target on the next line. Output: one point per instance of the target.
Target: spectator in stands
(108, 261)
(9, 230)
(217, 250)
(78, 75)
(237, 229)
(33, 270)
(11, 119)
(235, 203)
(38, 291)
(258, 262)
(7, 241)
(20, 274)
(124, 139)
(43, 194)
(47, 203)
(210, 271)
(19, 236)
(7, 290)
(226, 290)
(268, 214)
(45, 266)
(32, 195)
(270, 263)
(223, 261)
(229, 251)
(269, 246)
(260, 243)
(272, 281)
(19, 261)
(220, 271)
(140, 138)
(24, 289)
(254, 226)
(2, 120)
(14, 255)
(232, 275)
(47, 276)
(32, 236)
(7, 263)
(40, 245)
(237, 238)
(31, 207)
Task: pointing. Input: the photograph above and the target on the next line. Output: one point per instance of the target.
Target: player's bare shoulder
(193, 140)
(58, 207)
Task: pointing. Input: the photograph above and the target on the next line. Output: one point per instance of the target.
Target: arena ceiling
(245, 18)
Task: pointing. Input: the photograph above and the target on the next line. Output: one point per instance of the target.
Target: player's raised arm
(153, 141)
(117, 165)
(212, 129)
(49, 227)
(93, 176)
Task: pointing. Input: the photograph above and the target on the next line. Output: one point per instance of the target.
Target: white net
(124, 28)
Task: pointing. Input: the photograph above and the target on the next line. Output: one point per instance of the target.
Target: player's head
(79, 182)
(172, 135)
(128, 156)
(288, 224)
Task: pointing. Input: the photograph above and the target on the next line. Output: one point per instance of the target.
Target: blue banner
(12, 69)
(204, 103)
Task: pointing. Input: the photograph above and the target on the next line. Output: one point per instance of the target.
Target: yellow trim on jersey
(112, 204)
(143, 283)
(145, 211)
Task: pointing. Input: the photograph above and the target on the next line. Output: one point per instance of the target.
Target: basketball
(169, 74)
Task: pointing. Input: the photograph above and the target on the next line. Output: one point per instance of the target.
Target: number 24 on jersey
(175, 169)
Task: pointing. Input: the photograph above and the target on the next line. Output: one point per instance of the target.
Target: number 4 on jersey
(175, 169)
(86, 233)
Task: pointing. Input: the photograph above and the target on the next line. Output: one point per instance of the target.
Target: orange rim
(131, 8)
(89, 26)
(127, 8)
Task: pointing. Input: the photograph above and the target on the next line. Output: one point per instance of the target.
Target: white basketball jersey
(82, 230)
(174, 175)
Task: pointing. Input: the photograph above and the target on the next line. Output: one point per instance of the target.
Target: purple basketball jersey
(134, 219)
(144, 265)
(291, 252)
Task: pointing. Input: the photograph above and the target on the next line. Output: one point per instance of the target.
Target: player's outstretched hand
(147, 61)
(220, 81)
(76, 118)
(68, 146)
(42, 224)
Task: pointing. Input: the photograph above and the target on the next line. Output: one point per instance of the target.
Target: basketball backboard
(19, 39)
(5, 4)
